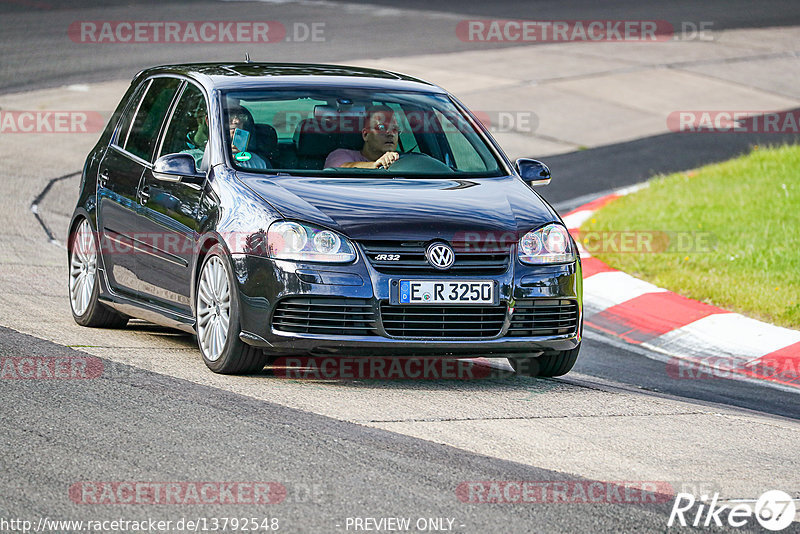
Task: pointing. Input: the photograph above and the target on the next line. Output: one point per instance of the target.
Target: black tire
(235, 356)
(547, 365)
(95, 314)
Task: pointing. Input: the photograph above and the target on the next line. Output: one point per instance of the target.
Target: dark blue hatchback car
(286, 209)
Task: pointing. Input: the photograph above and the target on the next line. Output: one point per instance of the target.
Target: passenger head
(240, 118)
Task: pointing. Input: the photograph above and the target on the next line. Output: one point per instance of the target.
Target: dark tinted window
(188, 128)
(150, 116)
(127, 117)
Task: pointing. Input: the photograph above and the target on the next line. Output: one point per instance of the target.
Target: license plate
(446, 292)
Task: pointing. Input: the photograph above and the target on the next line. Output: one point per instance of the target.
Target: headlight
(549, 244)
(288, 240)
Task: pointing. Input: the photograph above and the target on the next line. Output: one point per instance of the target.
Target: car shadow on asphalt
(411, 374)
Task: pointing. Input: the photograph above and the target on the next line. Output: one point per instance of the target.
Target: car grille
(412, 259)
(323, 315)
(442, 321)
(544, 317)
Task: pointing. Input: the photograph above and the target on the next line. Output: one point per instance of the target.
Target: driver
(380, 136)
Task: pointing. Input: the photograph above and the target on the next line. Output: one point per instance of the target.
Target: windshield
(347, 131)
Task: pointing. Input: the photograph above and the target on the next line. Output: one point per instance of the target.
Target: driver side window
(141, 138)
(188, 126)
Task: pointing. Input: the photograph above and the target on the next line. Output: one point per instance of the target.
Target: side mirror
(177, 167)
(532, 171)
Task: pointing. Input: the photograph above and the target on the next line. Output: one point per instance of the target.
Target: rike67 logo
(774, 510)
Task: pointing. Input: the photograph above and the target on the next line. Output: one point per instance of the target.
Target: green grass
(747, 209)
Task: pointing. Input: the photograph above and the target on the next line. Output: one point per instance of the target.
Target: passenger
(380, 135)
(241, 119)
(238, 118)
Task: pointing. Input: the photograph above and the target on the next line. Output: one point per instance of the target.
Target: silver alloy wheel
(82, 269)
(213, 308)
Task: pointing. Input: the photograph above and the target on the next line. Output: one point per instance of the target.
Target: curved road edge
(696, 340)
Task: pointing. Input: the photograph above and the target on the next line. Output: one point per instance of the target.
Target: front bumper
(263, 283)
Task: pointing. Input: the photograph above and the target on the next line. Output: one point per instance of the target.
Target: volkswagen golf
(288, 209)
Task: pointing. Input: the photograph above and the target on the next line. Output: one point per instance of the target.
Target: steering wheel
(418, 162)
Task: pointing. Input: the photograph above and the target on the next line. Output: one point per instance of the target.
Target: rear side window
(141, 138)
(130, 111)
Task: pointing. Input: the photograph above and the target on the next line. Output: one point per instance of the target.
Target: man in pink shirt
(380, 136)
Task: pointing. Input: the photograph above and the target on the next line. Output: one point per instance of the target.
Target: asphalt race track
(346, 450)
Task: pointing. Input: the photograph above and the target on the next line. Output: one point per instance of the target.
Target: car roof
(225, 76)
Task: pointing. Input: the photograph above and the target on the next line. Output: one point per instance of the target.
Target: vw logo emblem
(441, 256)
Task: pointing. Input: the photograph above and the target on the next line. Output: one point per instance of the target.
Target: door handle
(144, 194)
(102, 178)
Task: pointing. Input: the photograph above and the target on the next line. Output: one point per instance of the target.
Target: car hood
(404, 208)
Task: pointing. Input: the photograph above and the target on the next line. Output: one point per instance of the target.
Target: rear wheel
(548, 364)
(84, 285)
(217, 314)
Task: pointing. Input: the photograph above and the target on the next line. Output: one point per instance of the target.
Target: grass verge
(727, 234)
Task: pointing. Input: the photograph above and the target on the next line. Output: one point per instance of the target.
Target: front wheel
(84, 286)
(547, 365)
(217, 315)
